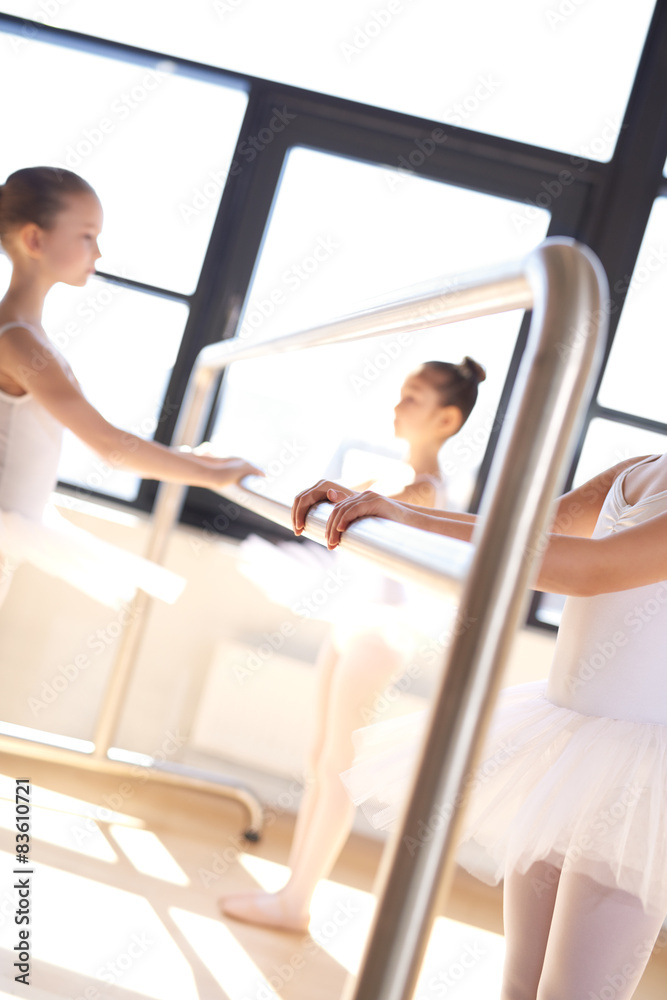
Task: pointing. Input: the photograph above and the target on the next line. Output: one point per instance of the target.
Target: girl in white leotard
(49, 223)
(569, 804)
(376, 625)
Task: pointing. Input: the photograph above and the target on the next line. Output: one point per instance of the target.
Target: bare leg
(599, 943)
(528, 904)
(326, 665)
(350, 682)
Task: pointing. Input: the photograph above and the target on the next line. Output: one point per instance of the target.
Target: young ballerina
(367, 647)
(573, 812)
(50, 220)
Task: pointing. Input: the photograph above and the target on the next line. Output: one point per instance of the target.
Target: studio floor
(124, 904)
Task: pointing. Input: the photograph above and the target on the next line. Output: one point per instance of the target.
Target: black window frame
(604, 205)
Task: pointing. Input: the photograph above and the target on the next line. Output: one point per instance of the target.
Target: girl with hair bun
(569, 802)
(376, 627)
(50, 220)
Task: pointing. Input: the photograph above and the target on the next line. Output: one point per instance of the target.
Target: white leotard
(611, 654)
(31, 528)
(30, 443)
(574, 771)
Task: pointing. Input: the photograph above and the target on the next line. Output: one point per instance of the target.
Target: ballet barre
(564, 285)
(461, 297)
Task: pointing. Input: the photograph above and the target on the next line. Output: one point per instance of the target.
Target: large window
(157, 146)
(629, 417)
(344, 234)
(553, 73)
(241, 162)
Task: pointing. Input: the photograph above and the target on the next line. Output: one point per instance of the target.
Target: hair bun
(472, 369)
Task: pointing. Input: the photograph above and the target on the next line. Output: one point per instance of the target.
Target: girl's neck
(24, 298)
(423, 457)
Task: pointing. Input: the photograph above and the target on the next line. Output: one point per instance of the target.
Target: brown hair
(456, 384)
(36, 194)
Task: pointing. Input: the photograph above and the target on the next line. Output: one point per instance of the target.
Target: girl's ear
(29, 237)
(450, 420)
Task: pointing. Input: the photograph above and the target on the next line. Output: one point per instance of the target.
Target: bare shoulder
(26, 351)
(578, 510)
(421, 492)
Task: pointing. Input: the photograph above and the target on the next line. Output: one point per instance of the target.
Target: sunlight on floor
(341, 918)
(227, 961)
(103, 932)
(148, 854)
(140, 921)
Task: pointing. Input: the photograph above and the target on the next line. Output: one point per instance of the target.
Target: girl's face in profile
(69, 249)
(419, 415)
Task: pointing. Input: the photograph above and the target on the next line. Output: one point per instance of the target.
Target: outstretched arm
(573, 562)
(40, 369)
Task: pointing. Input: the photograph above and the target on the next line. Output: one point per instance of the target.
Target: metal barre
(489, 291)
(564, 284)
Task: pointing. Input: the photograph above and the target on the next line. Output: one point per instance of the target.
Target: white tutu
(345, 590)
(584, 792)
(306, 575)
(103, 571)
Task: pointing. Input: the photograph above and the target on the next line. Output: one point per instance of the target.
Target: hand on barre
(349, 506)
(221, 471)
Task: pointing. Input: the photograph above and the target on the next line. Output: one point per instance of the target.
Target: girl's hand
(221, 472)
(366, 504)
(218, 471)
(323, 490)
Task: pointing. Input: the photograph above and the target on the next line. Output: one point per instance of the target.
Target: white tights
(569, 938)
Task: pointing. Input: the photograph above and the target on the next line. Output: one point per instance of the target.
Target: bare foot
(268, 909)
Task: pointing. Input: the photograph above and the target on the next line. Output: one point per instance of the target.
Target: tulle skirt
(103, 571)
(586, 793)
(337, 587)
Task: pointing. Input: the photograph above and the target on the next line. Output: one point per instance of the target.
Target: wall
(225, 670)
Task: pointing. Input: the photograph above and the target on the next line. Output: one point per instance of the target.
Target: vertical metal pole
(194, 413)
(558, 371)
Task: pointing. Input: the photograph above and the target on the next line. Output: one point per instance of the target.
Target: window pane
(156, 147)
(516, 69)
(343, 233)
(122, 349)
(606, 444)
(634, 377)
